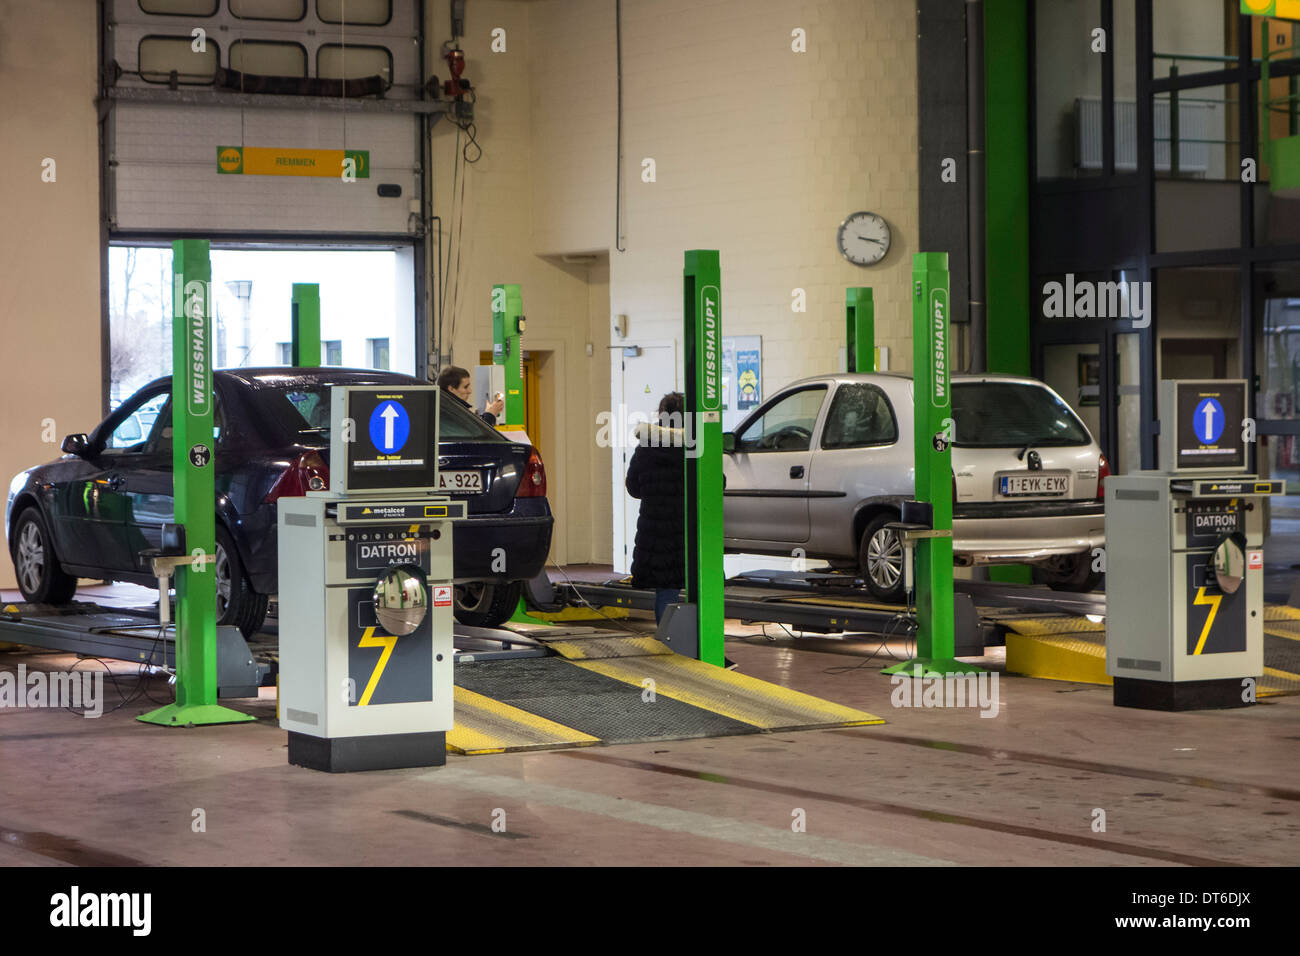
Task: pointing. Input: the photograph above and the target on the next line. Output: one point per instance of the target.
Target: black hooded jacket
(656, 475)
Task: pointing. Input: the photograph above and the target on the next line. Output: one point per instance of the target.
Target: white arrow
(389, 414)
(1209, 421)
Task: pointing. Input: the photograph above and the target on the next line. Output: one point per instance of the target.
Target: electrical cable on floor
(576, 593)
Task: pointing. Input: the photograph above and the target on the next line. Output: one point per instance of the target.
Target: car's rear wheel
(238, 605)
(40, 578)
(880, 559)
(487, 604)
(1068, 572)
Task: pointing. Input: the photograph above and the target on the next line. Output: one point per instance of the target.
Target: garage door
(218, 123)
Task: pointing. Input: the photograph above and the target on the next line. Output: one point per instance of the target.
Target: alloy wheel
(885, 559)
(31, 557)
(223, 582)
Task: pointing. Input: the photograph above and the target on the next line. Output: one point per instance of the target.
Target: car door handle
(796, 471)
(116, 482)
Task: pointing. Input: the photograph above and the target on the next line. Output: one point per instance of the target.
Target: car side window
(785, 426)
(160, 438)
(132, 432)
(859, 416)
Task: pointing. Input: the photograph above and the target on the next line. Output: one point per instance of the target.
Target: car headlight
(15, 485)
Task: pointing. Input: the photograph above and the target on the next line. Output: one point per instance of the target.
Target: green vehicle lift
(702, 310)
(860, 329)
(931, 438)
(507, 348)
(193, 474)
(304, 348)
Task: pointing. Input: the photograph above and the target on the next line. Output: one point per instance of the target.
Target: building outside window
(378, 349)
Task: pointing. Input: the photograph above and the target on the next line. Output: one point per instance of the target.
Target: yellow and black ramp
(611, 689)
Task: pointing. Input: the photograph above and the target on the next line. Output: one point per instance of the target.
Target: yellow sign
(1286, 9)
(342, 164)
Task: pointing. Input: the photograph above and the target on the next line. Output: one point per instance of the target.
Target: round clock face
(864, 238)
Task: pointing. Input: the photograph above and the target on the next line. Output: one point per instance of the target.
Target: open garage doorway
(367, 308)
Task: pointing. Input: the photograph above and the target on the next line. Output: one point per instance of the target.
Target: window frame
(830, 409)
(823, 387)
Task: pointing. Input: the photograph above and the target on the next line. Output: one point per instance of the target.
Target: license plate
(1014, 485)
(460, 481)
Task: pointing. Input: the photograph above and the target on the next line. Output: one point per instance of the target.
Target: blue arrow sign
(390, 426)
(1208, 420)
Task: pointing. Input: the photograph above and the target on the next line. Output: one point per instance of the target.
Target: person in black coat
(656, 475)
(458, 382)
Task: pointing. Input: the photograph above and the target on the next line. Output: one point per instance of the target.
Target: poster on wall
(742, 378)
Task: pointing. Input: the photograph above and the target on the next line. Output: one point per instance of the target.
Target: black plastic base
(378, 752)
(1180, 695)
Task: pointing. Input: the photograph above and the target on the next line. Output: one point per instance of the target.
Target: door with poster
(643, 375)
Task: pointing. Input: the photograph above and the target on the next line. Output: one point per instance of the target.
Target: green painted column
(507, 348)
(702, 335)
(193, 468)
(860, 327)
(931, 437)
(1006, 230)
(304, 348)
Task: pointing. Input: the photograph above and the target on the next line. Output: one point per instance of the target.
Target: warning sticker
(442, 595)
(1255, 560)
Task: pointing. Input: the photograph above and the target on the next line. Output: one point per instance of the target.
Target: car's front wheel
(238, 605)
(40, 578)
(880, 559)
(1068, 572)
(487, 604)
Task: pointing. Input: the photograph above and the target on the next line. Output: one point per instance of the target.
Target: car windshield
(1012, 415)
(305, 410)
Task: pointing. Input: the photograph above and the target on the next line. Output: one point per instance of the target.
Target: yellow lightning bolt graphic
(388, 642)
(1213, 602)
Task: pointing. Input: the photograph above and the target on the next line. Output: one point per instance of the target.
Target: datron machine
(1185, 559)
(366, 591)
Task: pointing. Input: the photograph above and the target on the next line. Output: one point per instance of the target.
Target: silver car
(823, 466)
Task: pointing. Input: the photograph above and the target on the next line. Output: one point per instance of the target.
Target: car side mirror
(76, 445)
(728, 443)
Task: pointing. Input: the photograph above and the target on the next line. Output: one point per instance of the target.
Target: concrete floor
(931, 786)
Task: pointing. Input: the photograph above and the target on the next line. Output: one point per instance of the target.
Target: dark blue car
(92, 512)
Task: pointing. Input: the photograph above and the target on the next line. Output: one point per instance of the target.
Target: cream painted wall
(49, 250)
(760, 152)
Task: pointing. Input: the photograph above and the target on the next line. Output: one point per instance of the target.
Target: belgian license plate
(1036, 484)
(460, 481)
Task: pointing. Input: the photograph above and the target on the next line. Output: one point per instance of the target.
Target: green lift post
(193, 467)
(507, 348)
(702, 306)
(304, 348)
(860, 329)
(931, 436)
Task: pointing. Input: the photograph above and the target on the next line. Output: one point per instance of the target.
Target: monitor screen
(391, 446)
(1209, 425)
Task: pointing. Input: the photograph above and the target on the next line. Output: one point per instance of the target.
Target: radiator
(1195, 123)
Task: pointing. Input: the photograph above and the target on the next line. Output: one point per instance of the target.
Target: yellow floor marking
(738, 696)
(484, 725)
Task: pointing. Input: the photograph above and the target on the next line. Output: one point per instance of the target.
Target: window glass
(1068, 89)
(267, 58)
(1193, 36)
(335, 62)
(132, 431)
(286, 352)
(785, 426)
(859, 415)
(1010, 415)
(189, 8)
(159, 56)
(359, 12)
(379, 353)
(1198, 321)
(269, 9)
(1277, 352)
(333, 349)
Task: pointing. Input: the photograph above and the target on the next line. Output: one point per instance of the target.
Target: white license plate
(460, 480)
(1014, 485)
